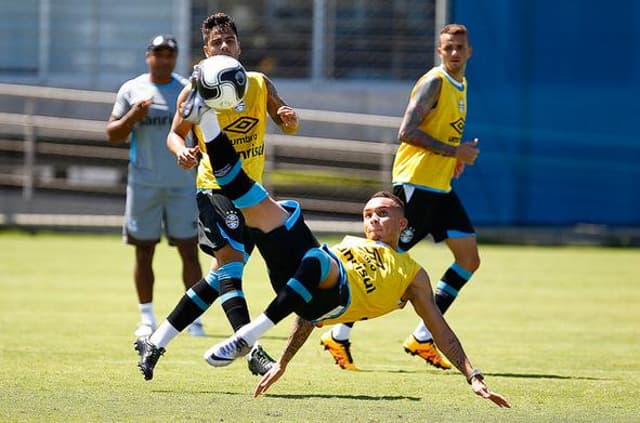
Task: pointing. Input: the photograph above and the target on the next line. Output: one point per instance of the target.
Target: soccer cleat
(426, 350)
(149, 355)
(259, 361)
(339, 350)
(223, 353)
(144, 330)
(196, 329)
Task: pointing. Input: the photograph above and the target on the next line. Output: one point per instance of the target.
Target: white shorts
(151, 210)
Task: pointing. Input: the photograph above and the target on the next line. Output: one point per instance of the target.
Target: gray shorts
(151, 211)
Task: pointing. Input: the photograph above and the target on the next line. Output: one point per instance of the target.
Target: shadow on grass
(303, 396)
(543, 376)
(355, 397)
(225, 336)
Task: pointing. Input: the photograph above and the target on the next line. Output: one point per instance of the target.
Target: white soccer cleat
(223, 354)
(196, 329)
(144, 330)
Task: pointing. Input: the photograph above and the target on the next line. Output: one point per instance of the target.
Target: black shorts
(440, 215)
(220, 223)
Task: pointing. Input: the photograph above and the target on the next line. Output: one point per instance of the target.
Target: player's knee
(323, 261)
(469, 263)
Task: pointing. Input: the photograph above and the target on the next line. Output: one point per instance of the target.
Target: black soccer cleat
(259, 361)
(149, 355)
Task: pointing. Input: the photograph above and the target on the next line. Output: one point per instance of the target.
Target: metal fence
(95, 45)
(44, 153)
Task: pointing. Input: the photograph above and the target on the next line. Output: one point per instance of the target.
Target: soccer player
(430, 155)
(159, 193)
(356, 279)
(222, 230)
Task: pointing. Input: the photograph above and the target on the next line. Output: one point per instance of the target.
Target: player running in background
(222, 230)
(159, 193)
(430, 155)
(356, 279)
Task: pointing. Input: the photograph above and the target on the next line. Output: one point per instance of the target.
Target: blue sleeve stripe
(459, 234)
(231, 294)
(231, 175)
(447, 288)
(300, 289)
(255, 195)
(461, 271)
(323, 258)
(197, 300)
(212, 280)
(231, 270)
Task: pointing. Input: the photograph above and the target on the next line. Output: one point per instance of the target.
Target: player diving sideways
(356, 279)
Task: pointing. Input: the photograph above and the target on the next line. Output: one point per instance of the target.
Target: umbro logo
(458, 125)
(242, 125)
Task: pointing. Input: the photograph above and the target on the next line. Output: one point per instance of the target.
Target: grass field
(556, 330)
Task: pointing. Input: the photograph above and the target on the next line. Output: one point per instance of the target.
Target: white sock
(163, 335)
(341, 332)
(421, 333)
(198, 320)
(146, 314)
(209, 125)
(251, 332)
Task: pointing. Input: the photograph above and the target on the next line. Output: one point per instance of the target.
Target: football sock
(450, 285)
(342, 331)
(195, 301)
(227, 168)
(253, 331)
(421, 333)
(300, 289)
(163, 335)
(146, 314)
(231, 295)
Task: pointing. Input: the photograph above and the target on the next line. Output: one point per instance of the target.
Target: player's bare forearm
(118, 129)
(421, 296)
(424, 99)
(421, 139)
(281, 113)
(450, 345)
(299, 334)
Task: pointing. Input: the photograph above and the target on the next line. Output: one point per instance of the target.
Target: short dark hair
(387, 194)
(217, 20)
(455, 29)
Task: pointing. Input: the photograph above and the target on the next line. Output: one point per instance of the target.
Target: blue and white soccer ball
(222, 82)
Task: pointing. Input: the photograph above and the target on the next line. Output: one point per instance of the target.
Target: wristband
(475, 373)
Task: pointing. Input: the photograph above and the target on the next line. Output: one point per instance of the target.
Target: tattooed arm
(299, 334)
(420, 105)
(421, 297)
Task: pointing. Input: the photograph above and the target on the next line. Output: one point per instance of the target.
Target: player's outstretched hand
(481, 389)
(269, 378)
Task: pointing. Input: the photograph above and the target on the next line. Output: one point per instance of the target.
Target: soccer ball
(222, 82)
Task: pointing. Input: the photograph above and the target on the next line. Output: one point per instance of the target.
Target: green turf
(557, 330)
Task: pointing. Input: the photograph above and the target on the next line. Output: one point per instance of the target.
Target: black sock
(233, 302)
(193, 303)
(450, 285)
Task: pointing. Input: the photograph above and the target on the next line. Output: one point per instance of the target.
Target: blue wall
(553, 96)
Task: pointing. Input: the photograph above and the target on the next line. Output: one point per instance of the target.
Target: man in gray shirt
(160, 194)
